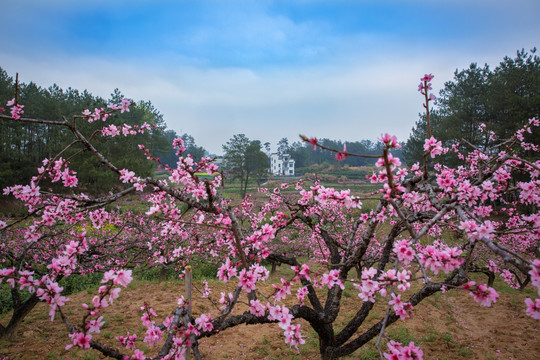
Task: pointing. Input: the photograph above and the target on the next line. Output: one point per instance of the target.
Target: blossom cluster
(102, 114)
(482, 294)
(533, 307)
(425, 86)
(400, 352)
(16, 109)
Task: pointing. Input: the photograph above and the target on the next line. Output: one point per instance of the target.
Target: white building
(281, 165)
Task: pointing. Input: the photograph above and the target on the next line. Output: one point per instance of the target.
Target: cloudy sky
(269, 69)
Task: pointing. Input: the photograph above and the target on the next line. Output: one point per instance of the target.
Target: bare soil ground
(447, 326)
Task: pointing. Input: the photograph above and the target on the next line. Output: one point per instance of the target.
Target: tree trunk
(327, 341)
(358, 269)
(19, 313)
(326, 356)
(324, 353)
(163, 274)
(274, 266)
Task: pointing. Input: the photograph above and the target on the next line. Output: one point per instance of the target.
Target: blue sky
(269, 69)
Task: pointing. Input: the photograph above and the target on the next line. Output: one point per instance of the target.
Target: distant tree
(300, 152)
(192, 148)
(503, 99)
(283, 146)
(413, 150)
(24, 145)
(170, 158)
(515, 93)
(244, 160)
(267, 148)
(257, 162)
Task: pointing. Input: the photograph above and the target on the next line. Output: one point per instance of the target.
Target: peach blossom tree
(433, 225)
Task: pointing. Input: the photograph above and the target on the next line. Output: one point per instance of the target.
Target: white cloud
(345, 86)
(349, 102)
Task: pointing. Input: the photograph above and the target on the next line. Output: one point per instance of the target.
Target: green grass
(447, 337)
(366, 354)
(200, 271)
(430, 336)
(6, 303)
(54, 356)
(90, 282)
(402, 335)
(463, 351)
(89, 356)
(261, 351)
(76, 283)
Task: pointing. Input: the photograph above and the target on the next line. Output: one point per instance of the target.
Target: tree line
(23, 145)
(503, 99)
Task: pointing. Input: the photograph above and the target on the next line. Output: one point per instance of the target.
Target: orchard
(433, 226)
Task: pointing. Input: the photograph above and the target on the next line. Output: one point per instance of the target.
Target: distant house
(281, 165)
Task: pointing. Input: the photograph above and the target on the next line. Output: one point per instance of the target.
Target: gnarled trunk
(19, 313)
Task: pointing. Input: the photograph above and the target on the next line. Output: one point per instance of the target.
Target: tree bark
(19, 313)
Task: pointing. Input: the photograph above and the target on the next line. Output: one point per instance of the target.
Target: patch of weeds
(450, 319)
(45, 335)
(203, 271)
(265, 341)
(466, 352)
(261, 351)
(447, 337)
(144, 348)
(515, 304)
(87, 355)
(435, 300)
(402, 335)
(312, 342)
(368, 354)
(117, 317)
(347, 294)
(76, 283)
(293, 354)
(108, 335)
(37, 316)
(54, 356)
(349, 285)
(6, 302)
(430, 336)
(504, 288)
